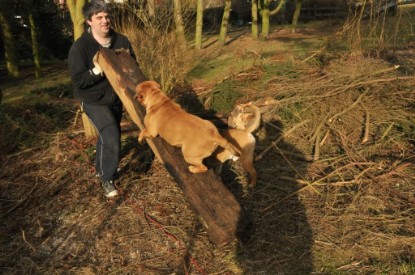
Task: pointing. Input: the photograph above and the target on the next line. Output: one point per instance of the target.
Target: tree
(35, 46)
(254, 15)
(225, 22)
(9, 48)
(199, 24)
(278, 8)
(265, 19)
(29, 8)
(78, 20)
(266, 13)
(296, 15)
(178, 19)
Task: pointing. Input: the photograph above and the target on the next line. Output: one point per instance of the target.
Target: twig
(317, 146)
(20, 153)
(326, 135)
(281, 137)
(20, 202)
(366, 131)
(387, 131)
(78, 112)
(314, 54)
(349, 266)
(24, 239)
(332, 119)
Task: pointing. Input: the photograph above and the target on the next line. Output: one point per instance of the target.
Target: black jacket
(91, 88)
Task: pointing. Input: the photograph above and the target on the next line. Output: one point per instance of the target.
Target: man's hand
(97, 68)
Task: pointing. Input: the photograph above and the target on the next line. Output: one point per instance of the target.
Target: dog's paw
(197, 169)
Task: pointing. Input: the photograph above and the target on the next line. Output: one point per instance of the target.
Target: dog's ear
(154, 85)
(144, 87)
(147, 85)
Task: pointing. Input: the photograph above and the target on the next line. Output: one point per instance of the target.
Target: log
(217, 208)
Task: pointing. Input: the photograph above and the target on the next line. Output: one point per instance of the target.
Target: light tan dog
(198, 138)
(241, 139)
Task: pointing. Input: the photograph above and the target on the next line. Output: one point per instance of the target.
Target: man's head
(94, 7)
(97, 17)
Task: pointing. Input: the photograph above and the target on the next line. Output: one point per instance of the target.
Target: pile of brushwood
(335, 158)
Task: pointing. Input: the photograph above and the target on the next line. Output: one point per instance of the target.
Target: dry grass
(335, 193)
(162, 54)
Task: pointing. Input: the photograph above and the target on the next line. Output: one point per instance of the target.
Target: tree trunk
(78, 20)
(9, 48)
(199, 25)
(178, 19)
(265, 19)
(296, 15)
(254, 14)
(217, 208)
(75, 10)
(225, 22)
(35, 46)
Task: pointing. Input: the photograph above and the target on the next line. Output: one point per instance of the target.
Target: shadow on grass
(279, 238)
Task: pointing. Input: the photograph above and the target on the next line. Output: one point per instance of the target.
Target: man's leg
(106, 121)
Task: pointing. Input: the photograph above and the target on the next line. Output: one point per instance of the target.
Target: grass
(350, 211)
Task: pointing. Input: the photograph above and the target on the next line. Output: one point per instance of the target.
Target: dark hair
(94, 7)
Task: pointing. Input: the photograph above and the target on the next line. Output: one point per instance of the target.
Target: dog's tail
(223, 142)
(257, 121)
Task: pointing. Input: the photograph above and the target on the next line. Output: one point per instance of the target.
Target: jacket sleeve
(80, 69)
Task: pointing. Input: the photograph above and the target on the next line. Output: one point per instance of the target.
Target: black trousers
(106, 120)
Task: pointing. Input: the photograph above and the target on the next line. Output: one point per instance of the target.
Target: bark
(265, 19)
(9, 48)
(75, 10)
(225, 22)
(296, 15)
(35, 46)
(78, 20)
(178, 19)
(278, 8)
(199, 24)
(254, 14)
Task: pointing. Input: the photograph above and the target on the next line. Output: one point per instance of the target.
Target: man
(98, 99)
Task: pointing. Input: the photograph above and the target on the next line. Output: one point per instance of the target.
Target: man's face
(100, 23)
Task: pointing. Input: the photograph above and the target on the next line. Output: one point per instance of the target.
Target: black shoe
(109, 189)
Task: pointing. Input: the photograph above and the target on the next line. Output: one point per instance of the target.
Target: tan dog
(241, 139)
(198, 138)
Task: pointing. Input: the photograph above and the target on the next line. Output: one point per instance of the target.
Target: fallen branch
(24, 239)
(366, 129)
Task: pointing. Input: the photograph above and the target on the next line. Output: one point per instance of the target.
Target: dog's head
(144, 90)
(240, 116)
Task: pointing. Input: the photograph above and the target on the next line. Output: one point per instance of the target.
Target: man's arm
(81, 74)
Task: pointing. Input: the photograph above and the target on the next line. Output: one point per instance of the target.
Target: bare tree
(178, 19)
(225, 22)
(35, 45)
(78, 20)
(199, 24)
(266, 13)
(9, 48)
(296, 15)
(254, 15)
